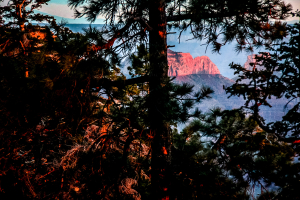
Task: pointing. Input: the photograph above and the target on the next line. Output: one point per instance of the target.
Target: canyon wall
(181, 64)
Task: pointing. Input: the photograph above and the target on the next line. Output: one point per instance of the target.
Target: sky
(60, 10)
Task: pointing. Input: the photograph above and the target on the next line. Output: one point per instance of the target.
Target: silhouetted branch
(104, 82)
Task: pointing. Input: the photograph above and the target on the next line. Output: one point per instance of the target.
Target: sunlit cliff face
(181, 64)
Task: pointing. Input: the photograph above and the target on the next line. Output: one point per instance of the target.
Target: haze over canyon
(201, 71)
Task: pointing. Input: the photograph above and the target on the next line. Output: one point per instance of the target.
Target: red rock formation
(181, 64)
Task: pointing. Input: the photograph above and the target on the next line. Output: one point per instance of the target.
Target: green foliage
(46, 101)
(140, 62)
(236, 155)
(278, 78)
(73, 127)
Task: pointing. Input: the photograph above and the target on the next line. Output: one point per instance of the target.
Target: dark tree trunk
(158, 75)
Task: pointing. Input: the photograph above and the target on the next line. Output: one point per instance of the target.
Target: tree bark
(160, 159)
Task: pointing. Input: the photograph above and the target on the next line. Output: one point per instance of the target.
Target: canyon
(201, 71)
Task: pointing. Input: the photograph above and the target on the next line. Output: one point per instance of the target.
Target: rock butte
(181, 64)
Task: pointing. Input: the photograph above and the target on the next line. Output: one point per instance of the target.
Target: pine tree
(129, 22)
(278, 77)
(235, 156)
(121, 139)
(46, 98)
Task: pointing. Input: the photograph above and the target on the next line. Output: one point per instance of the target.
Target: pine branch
(104, 82)
(119, 33)
(268, 130)
(204, 16)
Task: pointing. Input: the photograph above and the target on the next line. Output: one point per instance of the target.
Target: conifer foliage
(218, 22)
(45, 98)
(278, 78)
(73, 127)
